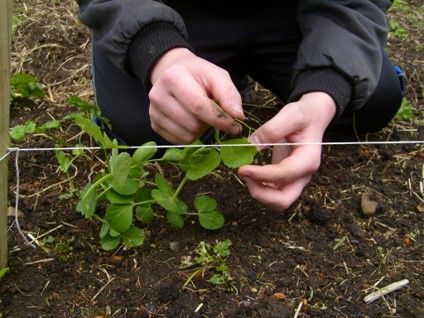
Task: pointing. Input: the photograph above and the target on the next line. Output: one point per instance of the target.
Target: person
(159, 66)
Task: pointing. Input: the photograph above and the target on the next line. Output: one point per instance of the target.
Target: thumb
(278, 128)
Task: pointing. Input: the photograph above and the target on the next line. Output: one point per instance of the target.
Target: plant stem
(96, 184)
(143, 202)
(104, 191)
(98, 218)
(180, 187)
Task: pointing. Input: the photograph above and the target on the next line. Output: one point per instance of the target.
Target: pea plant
(129, 195)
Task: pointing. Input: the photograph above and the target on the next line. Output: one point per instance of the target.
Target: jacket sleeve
(341, 49)
(133, 34)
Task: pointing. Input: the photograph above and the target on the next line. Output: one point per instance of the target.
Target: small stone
(174, 246)
(235, 223)
(253, 290)
(279, 296)
(368, 206)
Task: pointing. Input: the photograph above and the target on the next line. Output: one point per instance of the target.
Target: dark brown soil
(322, 252)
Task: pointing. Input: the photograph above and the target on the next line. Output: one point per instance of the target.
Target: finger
(201, 106)
(219, 84)
(174, 131)
(289, 120)
(281, 152)
(277, 198)
(302, 163)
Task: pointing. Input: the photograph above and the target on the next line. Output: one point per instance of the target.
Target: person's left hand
(280, 183)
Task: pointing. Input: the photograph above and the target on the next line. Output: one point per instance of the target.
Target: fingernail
(237, 111)
(254, 139)
(237, 129)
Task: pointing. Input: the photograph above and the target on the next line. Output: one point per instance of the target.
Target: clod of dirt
(167, 292)
(174, 246)
(368, 206)
(355, 230)
(318, 215)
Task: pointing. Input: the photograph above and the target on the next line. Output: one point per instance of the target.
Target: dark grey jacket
(340, 53)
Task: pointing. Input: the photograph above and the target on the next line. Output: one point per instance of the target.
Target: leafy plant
(25, 86)
(84, 109)
(405, 111)
(19, 132)
(397, 30)
(129, 196)
(209, 259)
(3, 272)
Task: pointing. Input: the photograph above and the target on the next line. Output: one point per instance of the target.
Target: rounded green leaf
(237, 156)
(175, 219)
(119, 217)
(144, 213)
(87, 205)
(133, 237)
(117, 198)
(211, 220)
(129, 187)
(120, 166)
(201, 164)
(204, 203)
(173, 154)
(144, 153)
(104, 230)
(109, 243)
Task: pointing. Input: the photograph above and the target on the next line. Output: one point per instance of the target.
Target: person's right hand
(182, 99)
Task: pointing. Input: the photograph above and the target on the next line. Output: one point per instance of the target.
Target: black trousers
(260, 42)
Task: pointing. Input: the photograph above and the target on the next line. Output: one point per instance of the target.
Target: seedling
(209, 259)
(405, 111)
(129, 196)
(3, 272)
(25, 86)
(19, 133)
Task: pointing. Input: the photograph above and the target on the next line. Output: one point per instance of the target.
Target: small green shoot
(20, 132)
(210, 259)
(3, 272)
(398, 31)
(25, 86)
(405, 111)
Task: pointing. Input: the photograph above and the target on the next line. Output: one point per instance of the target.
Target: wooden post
(5, 45)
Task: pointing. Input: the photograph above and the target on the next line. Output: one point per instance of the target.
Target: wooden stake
(5, 44)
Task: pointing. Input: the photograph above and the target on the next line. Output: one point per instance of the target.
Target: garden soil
(320, 257)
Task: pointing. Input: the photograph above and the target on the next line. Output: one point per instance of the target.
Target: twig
(385, 290)
(299, 308)
(40, 261)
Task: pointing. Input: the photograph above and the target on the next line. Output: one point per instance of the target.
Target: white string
(325, 143)
(18, 227)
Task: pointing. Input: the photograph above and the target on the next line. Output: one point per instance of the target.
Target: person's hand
(182, 98)
(280, 183)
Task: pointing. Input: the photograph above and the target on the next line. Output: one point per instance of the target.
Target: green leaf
(78, 152)
(63, 160)
(117, 198)
(130, 186)
(3, 272)
(120, 166)
(18, 133)
(26, 86)
(143, 194)
(173, 205)
(143, 154)
(144, 213)
(235, 157)
(204, 203)
(104, 230)
(119, 217)
(222, 248)
(163, 185)
(211, 220)
(87, 204)
(82, 105)
(133, 237)
(113, 233)
(95, 132)
(109, 243)
(175, 219)
(201, 163)
(173, 154)
(48, 125)
(405, 111)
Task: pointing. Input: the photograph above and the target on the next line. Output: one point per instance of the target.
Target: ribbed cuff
(149, 45)
(325, 80)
